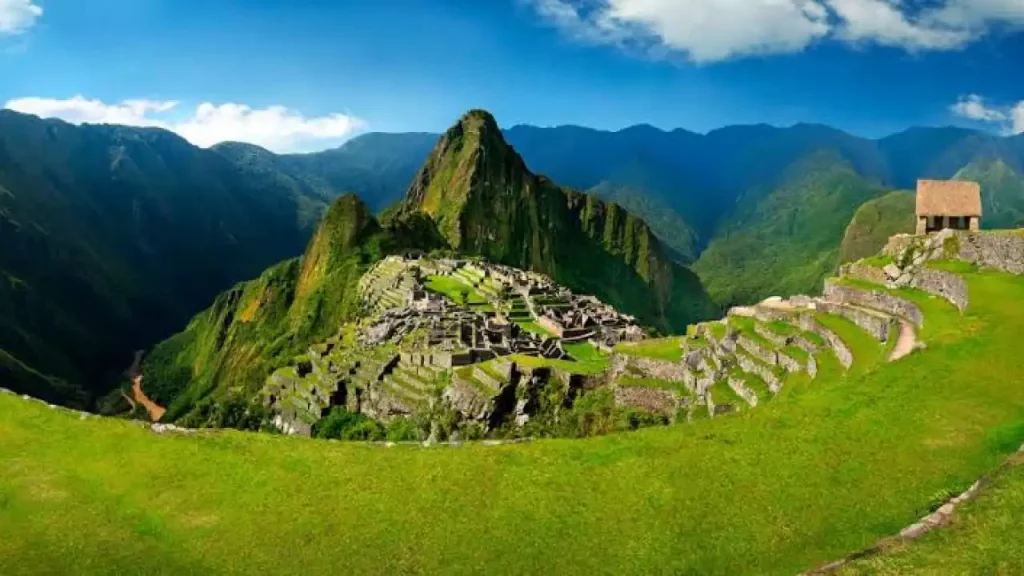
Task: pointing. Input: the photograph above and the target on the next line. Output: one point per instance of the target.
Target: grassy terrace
(826, 468)
(458, 292)
(658, 348)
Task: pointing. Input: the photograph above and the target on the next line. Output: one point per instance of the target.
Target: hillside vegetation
(874, 222)
(222, 358)
(826, 468)
(112, 237)
(785, 240)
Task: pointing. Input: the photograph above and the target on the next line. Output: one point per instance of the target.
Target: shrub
(403, 430)
(340, 424)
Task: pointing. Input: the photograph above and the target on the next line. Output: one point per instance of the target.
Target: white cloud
(1009, 119)
(276, 127)
(882, 22)
(714, 30)
(1017, 119)
(16, 16)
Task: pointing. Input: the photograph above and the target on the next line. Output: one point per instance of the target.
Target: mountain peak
(469, 164)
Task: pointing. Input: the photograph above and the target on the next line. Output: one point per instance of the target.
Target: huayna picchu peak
(487, 203)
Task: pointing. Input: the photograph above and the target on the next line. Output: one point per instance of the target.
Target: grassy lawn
(824, 469)
(458, 292)
(982, 540)
(595, 365)
(537, 329)
(658, 348)
(585, 352)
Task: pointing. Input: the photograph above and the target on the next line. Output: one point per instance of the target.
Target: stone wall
(770, 335)
(464, 398)
(654, 400)
(1003, 250)
(839, 348)
(812, 366)
(750, 365)
(946, 285)
(887, 303)
(740, 388)
(652, 368)
(790, 364)
(864, 272)
(876, 325)
(757, 350)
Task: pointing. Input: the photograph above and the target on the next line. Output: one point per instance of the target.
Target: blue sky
(307, 75)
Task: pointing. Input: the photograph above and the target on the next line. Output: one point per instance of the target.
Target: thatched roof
(948, 198)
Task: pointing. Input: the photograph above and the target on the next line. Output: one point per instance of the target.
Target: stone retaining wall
(812, 366)
(943, 284)
(770, 335)
(887, 303)
(757, 350)
(875, 325)
(1003, 250)
(839, 348)
(750, 365)
(740, 388)
(789, 363)
(658, 369)
(864, 272)
(653, 400)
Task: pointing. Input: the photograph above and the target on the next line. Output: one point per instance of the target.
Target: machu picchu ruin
(479, 341)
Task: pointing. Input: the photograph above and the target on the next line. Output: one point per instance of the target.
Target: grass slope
(874, 222)
(826, 468)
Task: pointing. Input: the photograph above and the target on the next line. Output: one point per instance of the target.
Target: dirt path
(155, 411)
(906, 342)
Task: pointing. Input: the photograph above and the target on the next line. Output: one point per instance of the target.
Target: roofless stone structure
(949, 204)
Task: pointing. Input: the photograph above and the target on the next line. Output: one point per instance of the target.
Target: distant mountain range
(112, 237)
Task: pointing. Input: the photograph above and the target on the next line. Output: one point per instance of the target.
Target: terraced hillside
(883, 434)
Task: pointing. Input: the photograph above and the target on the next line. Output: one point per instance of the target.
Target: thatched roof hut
(948, 198)
(948, 204)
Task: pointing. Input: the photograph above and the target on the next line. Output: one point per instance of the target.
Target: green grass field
(825, 468)
(658, 348)
(457, 291)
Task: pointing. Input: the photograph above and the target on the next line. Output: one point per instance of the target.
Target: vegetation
(658, 348)
(852, 456)
(787, 240)
(260, 325)
(874, 222)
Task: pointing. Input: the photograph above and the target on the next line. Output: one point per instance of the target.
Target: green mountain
(1002, 196)
(228, 350)
(786, 240)
(874, 222)
(486, 202)
(113, 237)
